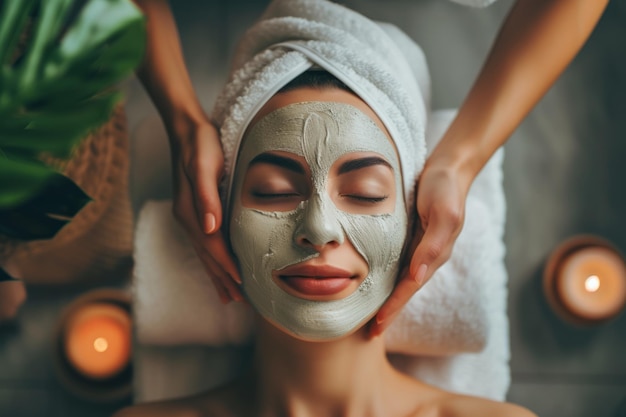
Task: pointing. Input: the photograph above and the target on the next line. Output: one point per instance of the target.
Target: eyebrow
(360, 163)
(279, 161)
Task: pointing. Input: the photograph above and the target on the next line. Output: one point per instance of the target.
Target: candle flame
(592, 283)
(100, 344)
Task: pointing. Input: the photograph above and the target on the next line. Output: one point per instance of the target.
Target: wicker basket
(97, 244)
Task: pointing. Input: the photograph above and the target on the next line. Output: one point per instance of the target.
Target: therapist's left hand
(441, 194)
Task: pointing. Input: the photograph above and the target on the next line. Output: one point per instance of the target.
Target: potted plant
(60, 61)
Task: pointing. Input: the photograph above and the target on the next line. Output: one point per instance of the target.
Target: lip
(316, 280)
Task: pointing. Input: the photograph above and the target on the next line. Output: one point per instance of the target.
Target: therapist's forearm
(537, 41)
(163, 71)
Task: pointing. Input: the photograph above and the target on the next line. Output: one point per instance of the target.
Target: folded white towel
(175, 301)
(475, 3)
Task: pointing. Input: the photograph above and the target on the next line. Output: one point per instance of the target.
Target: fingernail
(374, 332)
(209, 223)
(236, 278)
(379, 320)
(421, 274)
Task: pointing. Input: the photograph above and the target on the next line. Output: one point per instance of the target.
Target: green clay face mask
(265, 241)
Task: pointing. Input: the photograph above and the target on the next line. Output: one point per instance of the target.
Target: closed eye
(274, 195)
(366, 199)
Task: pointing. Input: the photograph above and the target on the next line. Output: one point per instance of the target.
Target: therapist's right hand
(197, 167)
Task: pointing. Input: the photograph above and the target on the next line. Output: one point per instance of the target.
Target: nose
(318, 225)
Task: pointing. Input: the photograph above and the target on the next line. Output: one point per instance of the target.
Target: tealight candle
(97, 340)
(586, 280)
(92, 348)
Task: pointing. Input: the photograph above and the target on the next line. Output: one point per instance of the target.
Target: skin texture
(345, 377)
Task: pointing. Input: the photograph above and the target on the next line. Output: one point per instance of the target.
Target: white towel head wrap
(293, 36)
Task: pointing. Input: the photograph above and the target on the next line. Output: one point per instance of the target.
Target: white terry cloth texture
(462, 308)
(378, 62)
(179, 319)
(475, 3)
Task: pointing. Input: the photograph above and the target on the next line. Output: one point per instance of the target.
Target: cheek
(248, 239)
(263, 241)
(379, 238)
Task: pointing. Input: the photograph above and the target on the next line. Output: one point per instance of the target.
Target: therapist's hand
(537, 41)
(441, 193)
(197, 158)
(197, 164)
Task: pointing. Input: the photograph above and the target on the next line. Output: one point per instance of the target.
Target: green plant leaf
(23, 225)
(53, 91)
(61, 86)
(36, 200)
(52, 130)
(50, 22)
(14, 15)
(20, 180)
(4, 276)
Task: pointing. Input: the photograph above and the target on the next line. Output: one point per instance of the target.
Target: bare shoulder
(433, 401)
(466, 406)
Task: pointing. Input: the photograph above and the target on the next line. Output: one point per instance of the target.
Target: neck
(347, 377)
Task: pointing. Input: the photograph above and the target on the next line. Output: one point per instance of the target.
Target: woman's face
(318, 219)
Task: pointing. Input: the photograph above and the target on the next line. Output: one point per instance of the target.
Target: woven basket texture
(97, 244)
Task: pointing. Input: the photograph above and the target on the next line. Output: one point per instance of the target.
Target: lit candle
(97, 340)
(586, 281)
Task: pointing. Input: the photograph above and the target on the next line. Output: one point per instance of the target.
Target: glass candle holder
(93, 346)
(585, 280)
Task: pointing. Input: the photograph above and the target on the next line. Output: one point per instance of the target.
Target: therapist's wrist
(182, 122)
(461, 162)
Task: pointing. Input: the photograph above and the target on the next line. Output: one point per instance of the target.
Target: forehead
(336, 122)
(304, 94)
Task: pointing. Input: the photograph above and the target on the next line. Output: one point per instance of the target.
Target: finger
(431, 252)
(226, 287)
(211, 250)
(213, 246)
(222, 293)
(435, 246)
(204, 177)
(234, 291)
(217, 275)
(206, 194)
(402, 293)
(216, 246)
(216, 265)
